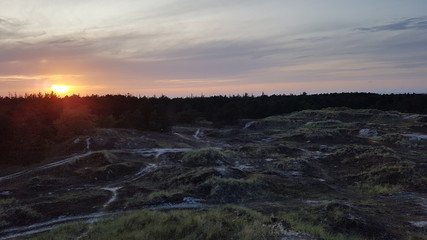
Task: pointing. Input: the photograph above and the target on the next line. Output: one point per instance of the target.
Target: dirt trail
(147, 152)
(198, 134)
(113, 198)
(144, 171)
(87, 144)
(181, 136)
(47, 166)
(151, 152)
(249, 124)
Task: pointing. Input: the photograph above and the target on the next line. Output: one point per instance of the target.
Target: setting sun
(60, 88)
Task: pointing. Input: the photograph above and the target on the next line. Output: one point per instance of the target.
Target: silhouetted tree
(74, 121)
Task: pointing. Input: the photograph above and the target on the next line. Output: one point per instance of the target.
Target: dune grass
(299, 222)
(227, 222)
(379, 189)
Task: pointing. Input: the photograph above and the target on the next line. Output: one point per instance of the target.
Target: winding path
(147, 152)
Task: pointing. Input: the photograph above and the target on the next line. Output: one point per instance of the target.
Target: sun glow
(60, 88)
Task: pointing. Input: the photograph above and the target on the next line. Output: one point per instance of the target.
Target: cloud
(135, 55)
(185, 7)
(8, 28)
(225, 49)
(419, 23)
(12, 23)
(14, 29)
(127, 57)
(214, 43)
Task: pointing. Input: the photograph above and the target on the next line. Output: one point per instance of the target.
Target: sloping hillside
(335, 173)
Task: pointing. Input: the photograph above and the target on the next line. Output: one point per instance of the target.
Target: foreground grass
(299, 223)
(65, 232)
(228, 222)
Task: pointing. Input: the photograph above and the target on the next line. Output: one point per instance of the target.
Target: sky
(213, 47)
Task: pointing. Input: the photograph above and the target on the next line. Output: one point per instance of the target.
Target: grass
(299, 222)
(383, 153)
(323, 124)
(158, 196)
(4, 205)
(168, 193)
(291, 164)
(44, 179)
(231, 190)
(379, 189)
(6, 202)
(192, 176)
(339, 220)
(163, 194)
(415, 236)
(388, 175)
(79, 195)
(386, 179)
(18, 215)
(228, 222)
(203, 157)
(419, 153)
(69, 231)
(351, 150)
(97, 159)
(279, 122)
(398, 140)
(286, 135)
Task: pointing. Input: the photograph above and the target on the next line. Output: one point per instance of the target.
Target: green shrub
(203, 157)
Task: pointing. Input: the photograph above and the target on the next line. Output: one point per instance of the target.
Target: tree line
(30, 124)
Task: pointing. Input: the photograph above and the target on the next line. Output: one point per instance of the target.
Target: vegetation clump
(15, 214)
(228, 222)
(231, 190)
(203, 157)
(336, 221)
(97, 159)
(291, 164)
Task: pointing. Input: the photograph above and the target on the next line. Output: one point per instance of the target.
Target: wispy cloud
(8, 28)
(419, 23)
(12, 29)
(17, 78)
